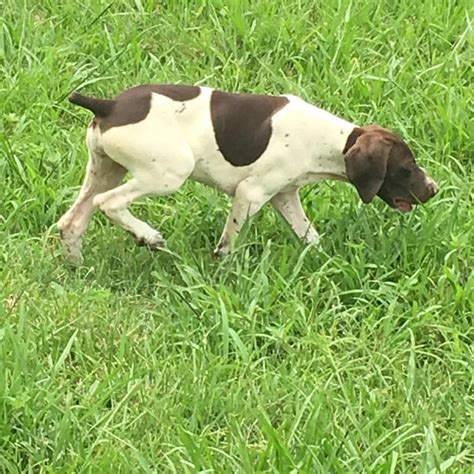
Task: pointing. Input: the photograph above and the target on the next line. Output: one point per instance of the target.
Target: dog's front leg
(289, 206)
(248, 200)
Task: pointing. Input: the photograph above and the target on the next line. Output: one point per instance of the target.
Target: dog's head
(378, 162)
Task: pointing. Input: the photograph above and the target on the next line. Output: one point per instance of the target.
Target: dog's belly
(212, 169)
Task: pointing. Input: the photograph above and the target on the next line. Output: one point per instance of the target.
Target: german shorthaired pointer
(256, 148)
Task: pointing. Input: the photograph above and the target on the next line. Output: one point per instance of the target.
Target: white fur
(176, 141)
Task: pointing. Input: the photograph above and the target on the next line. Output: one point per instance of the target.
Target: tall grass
(353, 358)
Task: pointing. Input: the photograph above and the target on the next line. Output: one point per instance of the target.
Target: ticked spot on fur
(132, 105)
(242, 124)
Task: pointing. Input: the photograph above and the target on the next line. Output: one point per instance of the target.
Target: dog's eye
(404, 173)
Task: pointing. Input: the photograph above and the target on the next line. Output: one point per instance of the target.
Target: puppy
(257, 148)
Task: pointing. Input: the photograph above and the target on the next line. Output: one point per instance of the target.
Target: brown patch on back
(242, 124)
(176, 92)
(133, 105)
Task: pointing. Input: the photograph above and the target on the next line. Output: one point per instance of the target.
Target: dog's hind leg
(164, 177)
(102, 174)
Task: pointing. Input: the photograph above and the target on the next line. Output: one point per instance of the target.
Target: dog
(257, 148)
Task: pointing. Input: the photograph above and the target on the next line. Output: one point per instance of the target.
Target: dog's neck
(329, 142)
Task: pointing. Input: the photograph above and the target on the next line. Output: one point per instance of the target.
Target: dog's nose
(433, 187)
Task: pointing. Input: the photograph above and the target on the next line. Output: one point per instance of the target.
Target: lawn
(354, 357)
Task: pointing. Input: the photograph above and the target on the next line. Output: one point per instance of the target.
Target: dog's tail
(100, 107)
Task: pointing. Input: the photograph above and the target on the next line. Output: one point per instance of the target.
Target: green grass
(354, 358)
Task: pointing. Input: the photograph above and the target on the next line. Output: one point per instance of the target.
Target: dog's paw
(312, 239)
(153, 242)
(72, 252)
(72, 246)
(157, 244)
(221, 251)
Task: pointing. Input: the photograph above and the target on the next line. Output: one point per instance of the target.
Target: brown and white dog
(256, 148)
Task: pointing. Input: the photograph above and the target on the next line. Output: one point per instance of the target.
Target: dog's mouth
(402, 204)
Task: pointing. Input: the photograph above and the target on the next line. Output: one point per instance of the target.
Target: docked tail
(100, 107)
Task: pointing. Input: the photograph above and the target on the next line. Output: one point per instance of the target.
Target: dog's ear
(352, 138)
(366, 162)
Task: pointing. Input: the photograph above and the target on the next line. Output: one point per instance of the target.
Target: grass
(354, 358)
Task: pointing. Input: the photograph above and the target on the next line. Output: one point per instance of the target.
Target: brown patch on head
(379, 162)
(242, 124)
